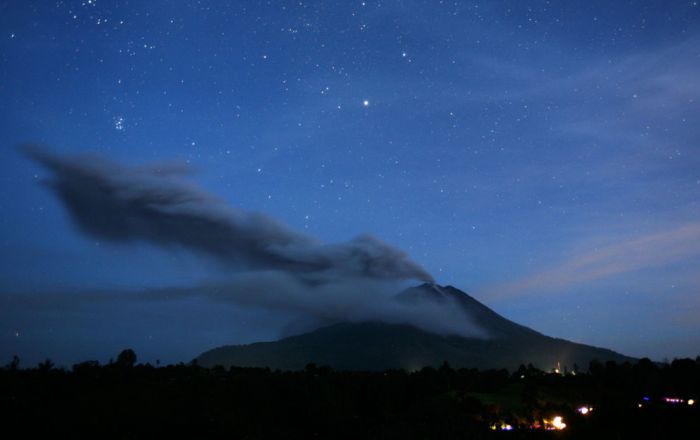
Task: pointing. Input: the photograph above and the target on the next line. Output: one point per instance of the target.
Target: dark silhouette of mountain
(381, 346)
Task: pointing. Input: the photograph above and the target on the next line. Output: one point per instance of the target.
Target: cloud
(632, 254)
(268, 265)
(121, 204)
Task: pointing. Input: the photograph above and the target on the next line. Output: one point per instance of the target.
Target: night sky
(541, 156)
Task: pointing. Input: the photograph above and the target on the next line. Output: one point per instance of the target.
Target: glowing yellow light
(502, 426)
(555, 423)
(691, 402)
(558, 423)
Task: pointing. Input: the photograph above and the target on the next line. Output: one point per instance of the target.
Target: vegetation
(129, 400)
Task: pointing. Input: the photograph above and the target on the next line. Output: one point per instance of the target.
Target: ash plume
(122, 204)
(270, 265)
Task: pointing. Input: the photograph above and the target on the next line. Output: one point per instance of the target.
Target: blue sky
(541, 156)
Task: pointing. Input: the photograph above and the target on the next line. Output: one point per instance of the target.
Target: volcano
(383, 346)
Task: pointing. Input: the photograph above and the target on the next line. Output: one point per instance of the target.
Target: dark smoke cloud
(156, 205)
(269, 265)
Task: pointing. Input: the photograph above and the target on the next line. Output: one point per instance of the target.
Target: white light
(558, 423)
(691, 402)
(365, 103)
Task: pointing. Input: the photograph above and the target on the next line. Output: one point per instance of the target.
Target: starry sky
(541, 156)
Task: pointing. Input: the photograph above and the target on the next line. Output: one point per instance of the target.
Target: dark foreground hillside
(125, 400)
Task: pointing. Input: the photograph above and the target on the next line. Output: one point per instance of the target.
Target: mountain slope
(378, 346)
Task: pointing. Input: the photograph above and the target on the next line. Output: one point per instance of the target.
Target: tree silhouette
(14, 363)
(47, 365)
(127, 358)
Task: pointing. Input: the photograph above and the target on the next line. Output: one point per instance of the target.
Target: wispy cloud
(641, 252)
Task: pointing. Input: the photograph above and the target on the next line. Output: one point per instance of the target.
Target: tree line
(127, 399)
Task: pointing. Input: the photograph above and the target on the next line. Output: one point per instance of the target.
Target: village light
(585, 410)
(502, 426)
(558, 423)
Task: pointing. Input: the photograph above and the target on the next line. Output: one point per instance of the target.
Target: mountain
(380, 346)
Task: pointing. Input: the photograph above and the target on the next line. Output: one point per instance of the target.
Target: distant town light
(691, 402)
(585, 410)
(501, 426)
(557, 369)
(558, 423)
